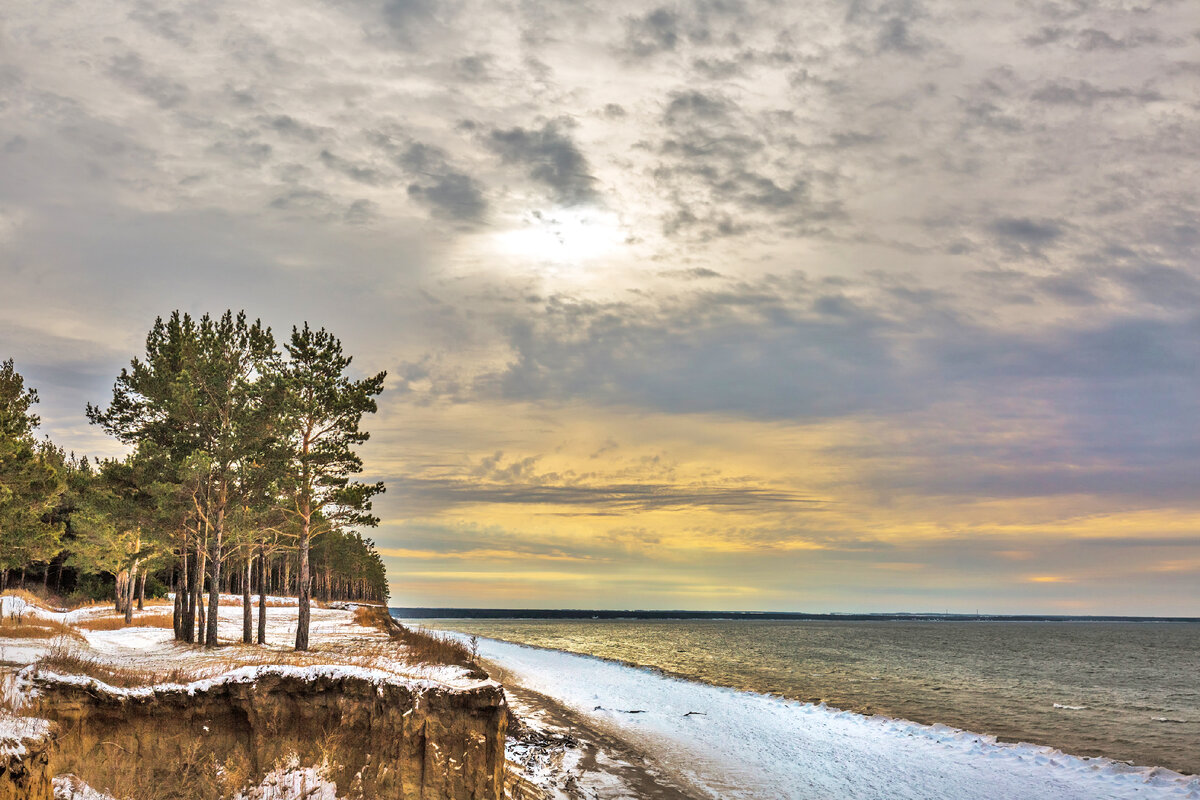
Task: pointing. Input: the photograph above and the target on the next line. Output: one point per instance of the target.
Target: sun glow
(564, 236)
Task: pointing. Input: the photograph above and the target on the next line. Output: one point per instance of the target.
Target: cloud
(130, 70)
(551, 157)
(951, 248)
(1025, 235)
(654, 32)
(449, 193)
(1086, 94)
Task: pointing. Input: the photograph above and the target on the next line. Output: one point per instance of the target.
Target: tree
(29, 483)
(115, 526)
(324, 408)
(200, 397)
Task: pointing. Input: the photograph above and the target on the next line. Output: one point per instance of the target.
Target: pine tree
(324, 409)
(30, 486)
(199, 397)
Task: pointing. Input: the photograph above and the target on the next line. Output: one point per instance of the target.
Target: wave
(1070, 708)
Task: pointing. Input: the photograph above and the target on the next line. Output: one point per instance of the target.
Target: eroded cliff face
(381, 739)
(26, 767)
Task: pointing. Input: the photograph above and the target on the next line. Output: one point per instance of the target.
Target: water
(1128, 691)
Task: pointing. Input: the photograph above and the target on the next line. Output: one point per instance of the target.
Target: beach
(699, 740)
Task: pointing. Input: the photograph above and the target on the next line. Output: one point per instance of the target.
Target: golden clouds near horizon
(576, 505)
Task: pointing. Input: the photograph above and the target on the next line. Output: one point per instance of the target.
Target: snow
(16, 731)
(341, 647)
(749, 746)
(11, 605)
(290, 781)
(249, 674)
(69, 787)
(236, 600)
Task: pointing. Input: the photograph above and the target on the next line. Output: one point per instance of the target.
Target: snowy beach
(723, 743)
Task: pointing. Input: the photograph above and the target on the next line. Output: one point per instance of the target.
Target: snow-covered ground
(335, 637)
(730, 744)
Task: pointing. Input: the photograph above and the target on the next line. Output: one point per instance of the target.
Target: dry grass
(65, 658)
(27, 596)
(117, 622)
(422, 645)
(34, 628)
(374, 617)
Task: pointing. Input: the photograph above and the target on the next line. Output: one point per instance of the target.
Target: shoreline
(674, 756)
(1003, 731)
(602, 765)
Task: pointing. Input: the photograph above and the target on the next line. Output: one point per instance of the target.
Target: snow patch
(290, 781)
(69, 787)
(16, 732)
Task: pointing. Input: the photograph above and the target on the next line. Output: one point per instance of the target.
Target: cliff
(378, 735)
(26, 747)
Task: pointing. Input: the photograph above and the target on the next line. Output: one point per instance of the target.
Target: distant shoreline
(610, 614)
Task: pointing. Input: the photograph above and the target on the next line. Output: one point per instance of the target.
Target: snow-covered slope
(734, 744)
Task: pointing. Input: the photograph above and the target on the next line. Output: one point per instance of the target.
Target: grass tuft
(117, 622)
(34, 628)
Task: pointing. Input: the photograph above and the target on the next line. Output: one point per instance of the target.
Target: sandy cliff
(381, 737)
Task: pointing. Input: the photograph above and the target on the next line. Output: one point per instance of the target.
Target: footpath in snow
(732, 744)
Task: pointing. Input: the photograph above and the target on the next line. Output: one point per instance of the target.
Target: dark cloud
(551, 157)
(654, 32)
(448, 193)
(1093, 39)
(712, 144)
(1086, 94)
(1024, 235)
(289, 126)
(1169, 287)
(431, 178)
(131, 71)
(695, 273)
(1048, 34)
(354, 171)
(896, 37)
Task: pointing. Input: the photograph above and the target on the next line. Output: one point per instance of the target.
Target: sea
(1128, 691)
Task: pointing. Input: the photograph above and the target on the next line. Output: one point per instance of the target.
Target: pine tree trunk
(119, 591)
(214, 592)
(262, 595)
(201, 576)
(142, 592)
(189, 602)
(247, 605)
(304, 585)
(132, 582)
(177, 604)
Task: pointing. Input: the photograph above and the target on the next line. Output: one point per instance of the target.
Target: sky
(729, 304)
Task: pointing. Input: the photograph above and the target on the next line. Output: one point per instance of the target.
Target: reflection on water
(1128, 691)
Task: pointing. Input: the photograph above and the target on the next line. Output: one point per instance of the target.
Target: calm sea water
(1129, 691)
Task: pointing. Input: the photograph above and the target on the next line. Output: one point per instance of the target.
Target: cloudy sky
(722, 305)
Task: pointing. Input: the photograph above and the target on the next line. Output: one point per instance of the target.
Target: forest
(239, 479)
